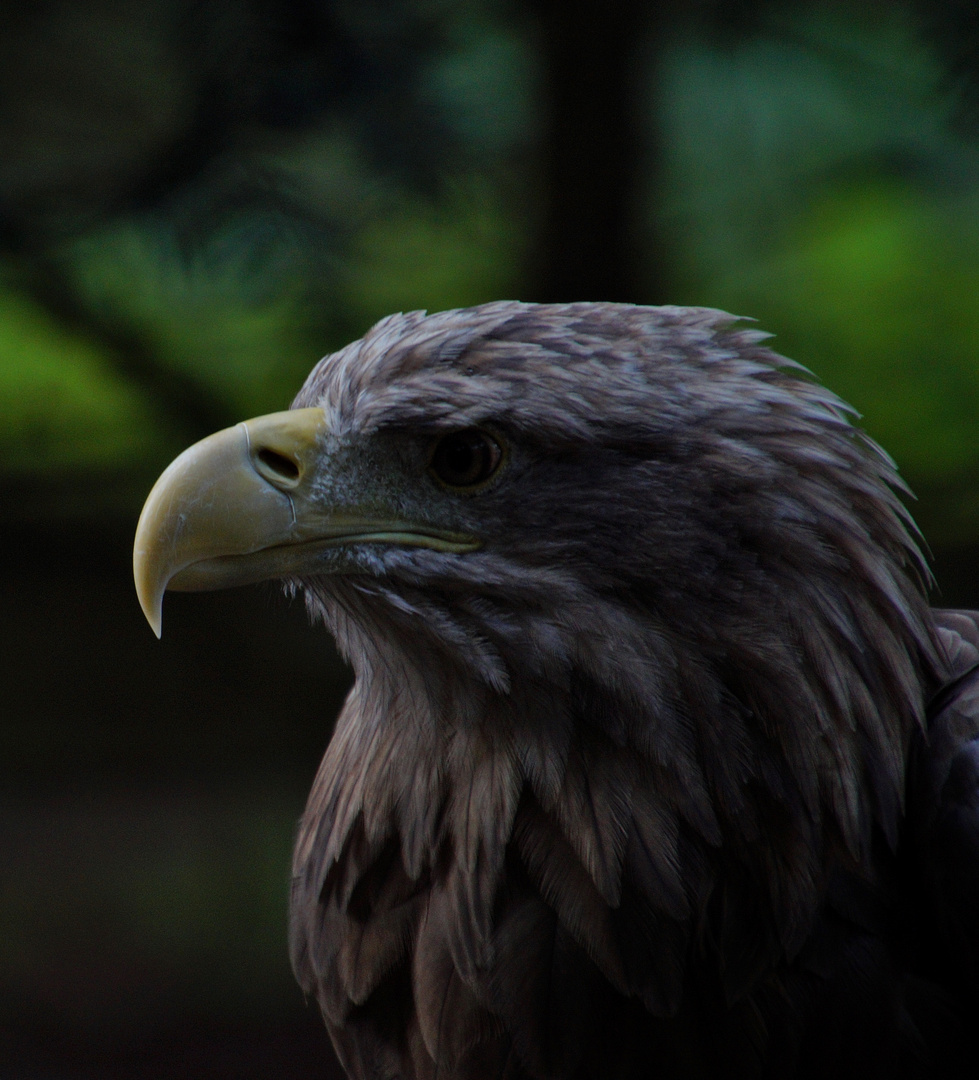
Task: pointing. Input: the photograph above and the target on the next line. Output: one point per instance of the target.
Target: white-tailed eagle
(657, 763)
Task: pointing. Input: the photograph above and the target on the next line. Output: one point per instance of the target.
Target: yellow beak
(240, 506)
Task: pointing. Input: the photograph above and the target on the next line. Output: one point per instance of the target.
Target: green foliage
(208, 320)
(62, 407)
(877, 291)
(462, 252)
(757, 130)
(484, 84)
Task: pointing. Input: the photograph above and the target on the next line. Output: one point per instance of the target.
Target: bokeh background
(198, 199)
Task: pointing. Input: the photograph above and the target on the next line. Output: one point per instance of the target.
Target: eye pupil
(466, 458)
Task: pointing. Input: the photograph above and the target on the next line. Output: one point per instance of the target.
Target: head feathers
(683, 667)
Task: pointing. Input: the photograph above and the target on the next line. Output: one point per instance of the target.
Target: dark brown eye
(466, 459)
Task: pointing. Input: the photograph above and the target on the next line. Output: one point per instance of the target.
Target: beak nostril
(276, 467)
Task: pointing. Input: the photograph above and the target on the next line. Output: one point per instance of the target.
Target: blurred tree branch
(593, 154)
(189, 406)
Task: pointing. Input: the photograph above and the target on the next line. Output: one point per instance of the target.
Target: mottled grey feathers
(589, 802)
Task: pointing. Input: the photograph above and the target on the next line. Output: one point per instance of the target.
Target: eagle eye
(465, 459)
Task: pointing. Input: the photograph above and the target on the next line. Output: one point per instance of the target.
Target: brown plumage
(666, 768)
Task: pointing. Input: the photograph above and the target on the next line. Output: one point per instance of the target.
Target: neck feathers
(606, 766)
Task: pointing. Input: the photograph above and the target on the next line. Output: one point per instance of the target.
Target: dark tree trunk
(594, 151)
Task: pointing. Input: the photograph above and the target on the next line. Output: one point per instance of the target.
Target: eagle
(657, 762)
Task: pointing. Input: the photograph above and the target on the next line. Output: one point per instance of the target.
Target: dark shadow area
(150, 791)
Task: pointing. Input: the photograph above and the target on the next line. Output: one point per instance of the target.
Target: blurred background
(198, 199)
